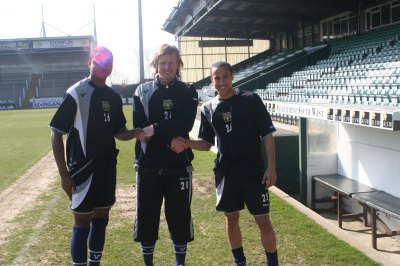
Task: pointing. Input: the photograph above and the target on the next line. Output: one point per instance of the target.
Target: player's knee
(264, 223)
(101, 213)
(82, 220)
(232, 220)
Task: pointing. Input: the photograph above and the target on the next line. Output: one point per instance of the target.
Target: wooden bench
(382, 202)
(372, 201)
(342, 187)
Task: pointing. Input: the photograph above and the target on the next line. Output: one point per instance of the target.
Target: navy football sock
(272, 258)
(238, 255)
(97, 238)
(79, 245)
(180, 253)
(147, 252)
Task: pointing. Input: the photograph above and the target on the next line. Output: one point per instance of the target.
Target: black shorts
(239, 186)
(95, 183)
(175, 187)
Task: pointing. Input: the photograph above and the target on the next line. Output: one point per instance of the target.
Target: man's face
(101, 64)
(167, 67)
(222, 79)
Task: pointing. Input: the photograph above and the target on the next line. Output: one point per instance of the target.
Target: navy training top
(171, 109)
(238, 123)
(91, 116)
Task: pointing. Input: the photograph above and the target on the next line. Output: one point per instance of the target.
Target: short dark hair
(167, 49)
(222, 64)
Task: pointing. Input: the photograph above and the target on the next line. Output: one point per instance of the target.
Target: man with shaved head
(91, 116)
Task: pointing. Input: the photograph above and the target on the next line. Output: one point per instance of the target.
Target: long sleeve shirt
(171, 110)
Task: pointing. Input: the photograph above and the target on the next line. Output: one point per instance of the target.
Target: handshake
(143, 134)
(178, 144)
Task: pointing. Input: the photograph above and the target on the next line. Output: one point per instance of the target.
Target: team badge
(167, 104)
(106, 106)
(227, 116)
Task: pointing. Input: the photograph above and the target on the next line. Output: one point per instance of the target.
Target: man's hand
(136, 132)
(149, 131)
(178, 144)
(142, 137)
(128, 134)
(67, 183)
(146, 133)
(269, 178)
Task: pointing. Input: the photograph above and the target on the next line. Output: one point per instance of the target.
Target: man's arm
(200, 145)
(128, 134)
(205, 139)
(269, 178)
(57, 144)
(139, 117)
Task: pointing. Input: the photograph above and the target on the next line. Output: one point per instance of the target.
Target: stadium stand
(250, 71)
(35, 72)
(206, 92)
(13, 85)
(362, 69)
(55, 83)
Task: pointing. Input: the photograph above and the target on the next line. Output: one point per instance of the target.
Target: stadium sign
(7, 106)
(384, 118)
(297, 110)
(46, 103)
(14, 45)
(61, 43)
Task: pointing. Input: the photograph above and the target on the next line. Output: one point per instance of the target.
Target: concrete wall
(370, 156)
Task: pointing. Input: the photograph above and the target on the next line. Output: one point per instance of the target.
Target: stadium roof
(250, 19)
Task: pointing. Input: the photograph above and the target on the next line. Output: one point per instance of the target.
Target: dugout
(286, 155)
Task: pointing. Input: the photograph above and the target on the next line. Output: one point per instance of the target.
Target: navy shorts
(237, 187)
(174, 186)
(95, 183)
